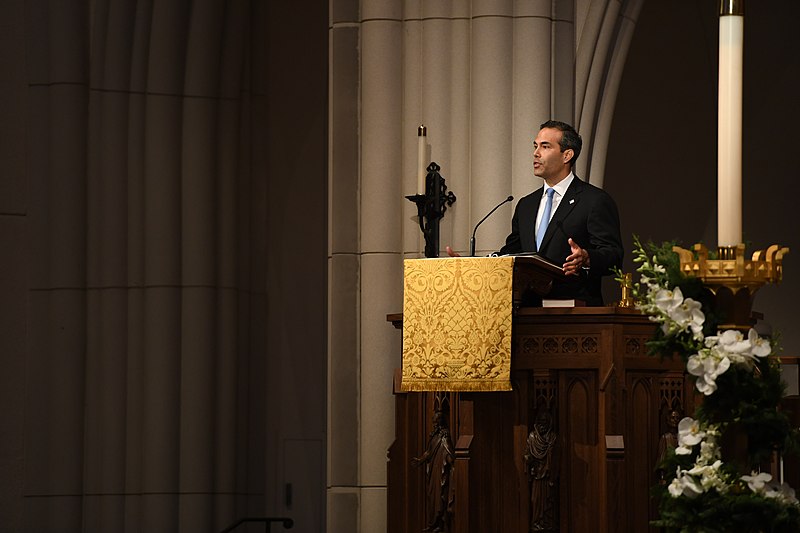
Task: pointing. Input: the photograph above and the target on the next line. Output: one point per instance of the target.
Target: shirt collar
(562, 186)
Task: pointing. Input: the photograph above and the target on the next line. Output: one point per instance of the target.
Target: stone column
(140, 374)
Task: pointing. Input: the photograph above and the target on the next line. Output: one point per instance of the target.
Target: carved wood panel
(636, 344)
(580, 455)
(596, 381)
(642, 417)
(559, 345)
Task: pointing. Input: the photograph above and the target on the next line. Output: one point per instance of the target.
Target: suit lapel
(565, 207)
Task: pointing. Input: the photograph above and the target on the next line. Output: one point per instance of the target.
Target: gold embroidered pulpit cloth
(457, 324)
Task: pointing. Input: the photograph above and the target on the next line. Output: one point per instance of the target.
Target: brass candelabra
(732, 278)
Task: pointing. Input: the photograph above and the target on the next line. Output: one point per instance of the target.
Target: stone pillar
(141, 373)
(344, 269)
(602, 46)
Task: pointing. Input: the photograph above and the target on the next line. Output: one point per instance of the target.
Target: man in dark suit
(582, 233)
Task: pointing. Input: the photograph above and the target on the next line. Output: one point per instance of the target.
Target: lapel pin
(572, 201)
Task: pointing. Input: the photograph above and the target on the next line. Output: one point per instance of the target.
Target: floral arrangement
(741, 389)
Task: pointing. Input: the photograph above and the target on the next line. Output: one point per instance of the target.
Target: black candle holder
(431, 207)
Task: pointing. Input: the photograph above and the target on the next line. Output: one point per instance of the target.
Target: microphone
(472, 239)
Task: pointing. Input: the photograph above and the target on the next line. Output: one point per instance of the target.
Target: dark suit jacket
(588, 215)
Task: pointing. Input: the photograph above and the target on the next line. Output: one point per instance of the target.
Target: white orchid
(783, 493)
(668, 307)
(709, 476)
(759, 347)
(756, 481)
(688, 314)
(707, 367)
(676, 487)
(689, 432)
(667, 300)
(733, 341)
(697, 480)
(685, 485)
(706, 472)
(682, 450)
(709, 450)
(732, 344)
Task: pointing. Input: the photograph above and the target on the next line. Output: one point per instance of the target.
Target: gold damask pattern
(457, 324)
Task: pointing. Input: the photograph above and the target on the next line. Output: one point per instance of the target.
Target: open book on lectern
(541, 261)
(555, 271)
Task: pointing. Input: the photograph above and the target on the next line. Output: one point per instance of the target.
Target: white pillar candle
(421, 166)
(729, 147)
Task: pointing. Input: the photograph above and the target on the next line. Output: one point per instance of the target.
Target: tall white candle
(729, 147)
(421, 156)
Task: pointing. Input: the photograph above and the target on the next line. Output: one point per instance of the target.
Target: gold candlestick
(626, 284)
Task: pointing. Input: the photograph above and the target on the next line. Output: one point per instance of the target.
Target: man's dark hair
(569, 138)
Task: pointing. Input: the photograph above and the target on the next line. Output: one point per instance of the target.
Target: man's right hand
(451, 252)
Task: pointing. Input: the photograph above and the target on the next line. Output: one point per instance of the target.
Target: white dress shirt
(560, 190)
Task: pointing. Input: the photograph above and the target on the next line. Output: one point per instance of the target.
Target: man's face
(549, 162)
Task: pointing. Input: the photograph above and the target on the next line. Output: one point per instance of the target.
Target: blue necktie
(548, 207)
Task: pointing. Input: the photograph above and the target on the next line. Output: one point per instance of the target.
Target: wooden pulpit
(573, 446)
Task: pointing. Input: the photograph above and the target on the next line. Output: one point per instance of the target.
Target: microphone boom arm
(472, 239)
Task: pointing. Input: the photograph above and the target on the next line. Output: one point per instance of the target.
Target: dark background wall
(163, 212)
(296, 151)
(663, 151)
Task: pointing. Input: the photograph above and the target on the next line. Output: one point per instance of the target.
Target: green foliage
(739, 510)
(753, 408)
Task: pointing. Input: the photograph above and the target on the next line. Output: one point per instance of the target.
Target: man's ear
(568, 154)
